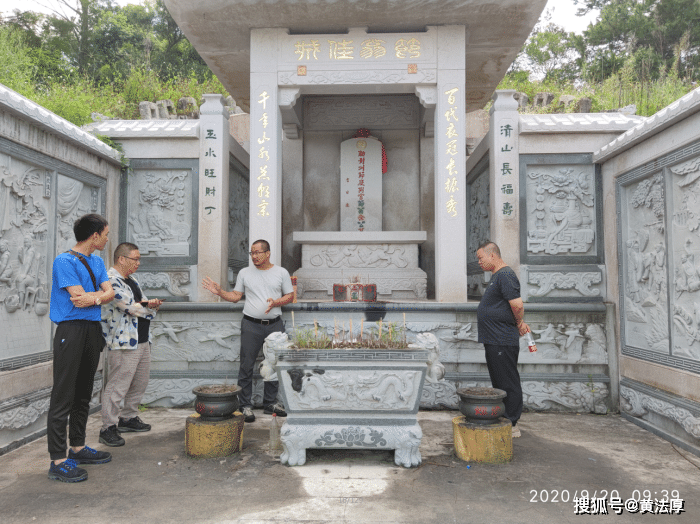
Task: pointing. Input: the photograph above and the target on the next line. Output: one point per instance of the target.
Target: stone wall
(652, 197)
(571, 371)
(51, 172)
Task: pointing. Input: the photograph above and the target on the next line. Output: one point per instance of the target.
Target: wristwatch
(98, 301)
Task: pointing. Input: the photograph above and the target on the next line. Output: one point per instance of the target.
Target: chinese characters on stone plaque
(451, 149)
(361, 184)
(263, 178)
(369, 48)
(506, 171)
(212, 184)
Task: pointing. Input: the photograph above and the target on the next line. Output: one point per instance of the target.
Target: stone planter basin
(353, 399)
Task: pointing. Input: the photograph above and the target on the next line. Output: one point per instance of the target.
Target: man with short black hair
(266, 288)
(500, 324)
(126, 327)
(79, 285)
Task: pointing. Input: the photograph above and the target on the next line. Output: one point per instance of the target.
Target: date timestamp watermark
(604, 502)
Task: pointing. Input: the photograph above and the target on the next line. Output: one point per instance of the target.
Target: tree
(670, 29)
(551, 53)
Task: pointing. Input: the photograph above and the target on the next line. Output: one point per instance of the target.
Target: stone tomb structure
(315, 73)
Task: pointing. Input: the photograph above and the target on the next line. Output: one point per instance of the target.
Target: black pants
(502, 362)
(252, 338)
(76, 354)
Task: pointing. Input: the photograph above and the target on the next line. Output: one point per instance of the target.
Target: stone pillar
(265, 143)
(450, 158)
(213, 190)
(504, 160)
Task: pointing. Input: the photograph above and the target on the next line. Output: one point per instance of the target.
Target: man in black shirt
(500, 324)
(126, 327)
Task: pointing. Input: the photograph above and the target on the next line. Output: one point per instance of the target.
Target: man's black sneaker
(132, 424)
(67, 471)
(275, 408)
(111, 437)
(248, 414)
(87, 455)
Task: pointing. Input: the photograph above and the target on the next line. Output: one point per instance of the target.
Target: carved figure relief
(238, 222)
(644, 265)
(479, 226)
(23, 238)
(571, 342)
(160, 222)
(686, 259)
(563, 221)
(354, 256)
(74, 199)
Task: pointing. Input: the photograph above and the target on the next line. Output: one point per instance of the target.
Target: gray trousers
(252, 338)
(127, 379)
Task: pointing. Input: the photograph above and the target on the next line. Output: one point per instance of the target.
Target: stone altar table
(388, 259)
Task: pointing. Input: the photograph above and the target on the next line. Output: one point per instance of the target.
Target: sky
(563, 11)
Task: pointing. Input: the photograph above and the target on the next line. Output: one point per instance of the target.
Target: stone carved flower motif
(351, 436)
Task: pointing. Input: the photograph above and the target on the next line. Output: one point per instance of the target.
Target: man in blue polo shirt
(79, 285)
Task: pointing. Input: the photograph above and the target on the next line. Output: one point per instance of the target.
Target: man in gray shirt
(266, 288)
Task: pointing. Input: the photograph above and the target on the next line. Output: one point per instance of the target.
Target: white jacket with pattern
(120, 316)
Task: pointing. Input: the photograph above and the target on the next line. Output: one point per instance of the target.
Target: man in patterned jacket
(125, 324)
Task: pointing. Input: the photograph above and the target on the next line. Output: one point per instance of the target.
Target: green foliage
(380, 335)
(620, 90)
(551, 54)
(17, 67)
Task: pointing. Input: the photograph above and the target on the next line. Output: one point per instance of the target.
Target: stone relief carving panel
(574, 396)
(24, 257)
(639, 405)
(360, 256)
(571, 342)
(25, 415)
(177, 392)
(74, 199)
(644, 265)
(686, 259)
(160, 212)
(170, 281)
(195, 341)
(479, 228)
(352, 389)
(561, 210)
(238, 222)
(546, 282)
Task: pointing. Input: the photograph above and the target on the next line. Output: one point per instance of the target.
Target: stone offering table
(353, 399)
(388, 259)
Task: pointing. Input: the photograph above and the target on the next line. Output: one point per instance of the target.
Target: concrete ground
(151, 480)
